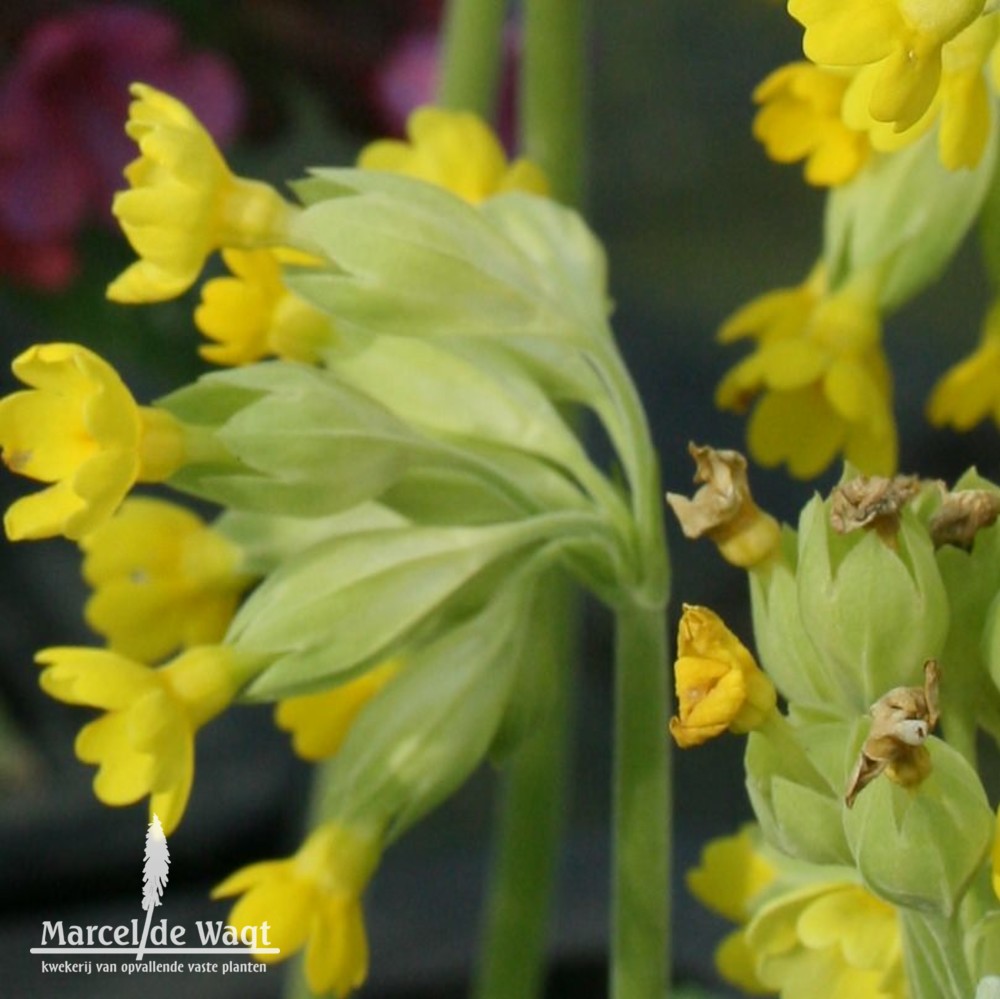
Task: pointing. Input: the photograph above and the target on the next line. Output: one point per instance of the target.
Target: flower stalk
(472, 55)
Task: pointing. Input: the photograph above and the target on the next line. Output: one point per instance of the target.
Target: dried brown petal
(723, 509)
(901, 721)
(962, 514)
(871, 501)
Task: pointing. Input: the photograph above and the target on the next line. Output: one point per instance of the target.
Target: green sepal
(921, 847)
(429, 729)
(875, 612)
(795, 804)
(352, 600)
(904, 216)
(784, 647)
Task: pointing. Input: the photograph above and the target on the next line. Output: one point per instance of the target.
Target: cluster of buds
(875, 619)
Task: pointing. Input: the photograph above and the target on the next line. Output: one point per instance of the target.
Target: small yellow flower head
(144, 744)
(832, 932)
(962, 103)
(78, 427)
(457, 151)
(183, 202)
(162, 579)
(313, 900)
(731, 876)
(252, 314)
(319, 723)
(822, 377)
(901, 39)
(800, 119)
(724, 511)
(799, 927)
(970, 391)
(719, 685)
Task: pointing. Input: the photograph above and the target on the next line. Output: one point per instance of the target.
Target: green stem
(934, 954)
(553, 83)
(472, 55)
(530, 820)
(640, 942)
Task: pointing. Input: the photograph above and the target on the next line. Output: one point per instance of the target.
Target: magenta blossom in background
(63, 104)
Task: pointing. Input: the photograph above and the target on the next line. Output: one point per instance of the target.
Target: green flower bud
(796, 804)
(875, 610)
(920, 847)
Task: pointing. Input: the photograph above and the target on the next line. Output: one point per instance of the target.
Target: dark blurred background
(695, 220)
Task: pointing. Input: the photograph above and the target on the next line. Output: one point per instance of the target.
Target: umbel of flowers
(876, 620)
(396, 477)
(894, 108)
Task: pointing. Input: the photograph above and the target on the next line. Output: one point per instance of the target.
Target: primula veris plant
(868, 867)
(895, 110)
(399, 483)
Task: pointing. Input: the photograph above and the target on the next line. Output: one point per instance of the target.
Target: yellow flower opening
(800, 119)
(183, 202)
(719, 685)
(252, 314)
(312, 900)
(319, 723)
(800, 925)
(162, 580)
(78, 427)
(900, 39)
(970, 391)
(144, 744)
(821, 376)
(457, 151)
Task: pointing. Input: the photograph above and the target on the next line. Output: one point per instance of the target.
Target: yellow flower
(183, 202)
(732, 875)
(162, 579)
(962, 104)
(145, 742)
(313, 899)
(252, 314)
(454, 150)
(719, 685)
(970, 391)
(800, 119)
(822, 376)
(900, 39)
(807, 932)
(79, 428)
(319, 723)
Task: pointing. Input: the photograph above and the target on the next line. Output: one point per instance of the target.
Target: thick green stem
(935, 958)
(530, 821)
(553, 83)
(640, 913)
(472, 55)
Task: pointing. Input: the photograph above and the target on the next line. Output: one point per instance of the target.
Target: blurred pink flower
(63, 104)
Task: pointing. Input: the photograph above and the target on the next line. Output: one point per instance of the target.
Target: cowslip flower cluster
(867, 871)
(397, 478)
(895, 109)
